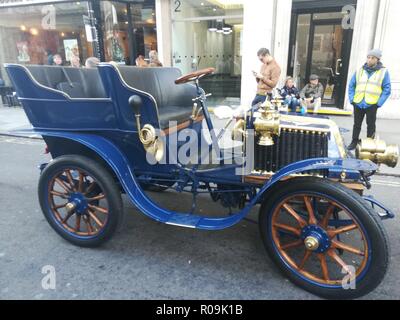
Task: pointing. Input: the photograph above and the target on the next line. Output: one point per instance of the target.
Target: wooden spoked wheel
(78, 202)
(324, 237)
(310, 230)
(81, 200)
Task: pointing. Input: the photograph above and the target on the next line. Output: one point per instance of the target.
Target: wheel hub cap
(311, 243)
(315, 239)
(77, 203)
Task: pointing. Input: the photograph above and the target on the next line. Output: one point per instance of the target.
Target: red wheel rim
(75, 187)
(301, 212)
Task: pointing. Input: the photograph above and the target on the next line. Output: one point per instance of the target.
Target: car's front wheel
(324, 238)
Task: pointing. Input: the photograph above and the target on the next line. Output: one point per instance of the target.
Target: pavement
(13, 119)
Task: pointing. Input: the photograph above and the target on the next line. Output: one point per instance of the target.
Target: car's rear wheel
(325, 238)
(80, 200)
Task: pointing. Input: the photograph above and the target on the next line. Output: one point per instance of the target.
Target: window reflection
(209, 34)
(36, 34)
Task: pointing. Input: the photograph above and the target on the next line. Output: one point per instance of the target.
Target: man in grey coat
(312, 93)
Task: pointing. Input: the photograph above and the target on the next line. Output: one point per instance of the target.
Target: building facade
(329, 38)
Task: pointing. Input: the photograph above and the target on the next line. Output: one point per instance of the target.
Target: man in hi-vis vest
(369, 89)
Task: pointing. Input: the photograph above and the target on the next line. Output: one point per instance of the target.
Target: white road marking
(21, 141)
(386, 183)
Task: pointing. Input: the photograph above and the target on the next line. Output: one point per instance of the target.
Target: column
(280, 50)
(386, 39)
(257, 33)
(164, 31)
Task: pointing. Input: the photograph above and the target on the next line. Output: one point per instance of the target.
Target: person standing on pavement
(268, 77)
(369, 89)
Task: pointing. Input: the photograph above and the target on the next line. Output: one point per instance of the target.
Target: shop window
(35, 34)
(301, 49)
(144, 28)
(209, 34)
(115, 30)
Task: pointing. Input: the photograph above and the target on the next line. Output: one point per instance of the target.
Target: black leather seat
(174, 102)
(76, 82)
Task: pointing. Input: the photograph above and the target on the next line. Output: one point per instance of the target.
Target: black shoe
(352, 146)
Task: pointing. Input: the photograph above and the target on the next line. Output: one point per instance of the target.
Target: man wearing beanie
(311, 95)
(369, 89)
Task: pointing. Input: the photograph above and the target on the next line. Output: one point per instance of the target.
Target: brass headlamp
(378, 152)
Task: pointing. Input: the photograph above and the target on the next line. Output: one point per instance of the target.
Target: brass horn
(151, 142)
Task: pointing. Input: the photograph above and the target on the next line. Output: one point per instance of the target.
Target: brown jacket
(271, 73)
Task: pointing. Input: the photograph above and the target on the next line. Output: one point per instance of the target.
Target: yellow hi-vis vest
(369, 89)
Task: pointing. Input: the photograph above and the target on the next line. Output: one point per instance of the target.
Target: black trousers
(359, 115)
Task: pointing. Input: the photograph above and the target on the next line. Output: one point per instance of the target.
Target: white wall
(282, 36)
(387, 38)
(164, 31)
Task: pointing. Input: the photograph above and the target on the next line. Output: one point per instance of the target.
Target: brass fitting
(151, 142)
(239, 130)
(311, 243)
(378, 152)
(268, 125)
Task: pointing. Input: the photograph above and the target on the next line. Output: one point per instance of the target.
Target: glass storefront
(144, 27)
(35, 34)
(209, 34)
(128, 30)
(110, 30)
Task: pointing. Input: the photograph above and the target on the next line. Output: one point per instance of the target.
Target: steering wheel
(194, 76)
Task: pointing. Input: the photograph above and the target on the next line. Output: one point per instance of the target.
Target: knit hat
(314, 77)
(375, 53)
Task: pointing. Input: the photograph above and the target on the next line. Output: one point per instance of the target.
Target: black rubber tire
(106, 182)
(368, 218)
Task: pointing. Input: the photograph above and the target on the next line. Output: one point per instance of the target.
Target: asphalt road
(145, 260)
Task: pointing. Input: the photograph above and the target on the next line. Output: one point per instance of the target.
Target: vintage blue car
(121, 129)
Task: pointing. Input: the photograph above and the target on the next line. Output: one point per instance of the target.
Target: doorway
(320, 45)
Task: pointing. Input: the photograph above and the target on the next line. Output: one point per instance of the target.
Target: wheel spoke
(95, 218)
(67, 217)
(63, 185)
(78, 223)
(99, 209)
(70, 179)
(90, 188)
(292, 245)
(80, 185)
(312, 219)
(99, 197)
(334, 233)
(324, 266)
(339, 261)
(295, 215)
(329, 212)
(340, 245)
(290, 229)
(307, 256)
(60, 206)
(88, 224)
(59, 194)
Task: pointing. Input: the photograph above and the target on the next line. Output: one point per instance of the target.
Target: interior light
(34, 31)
